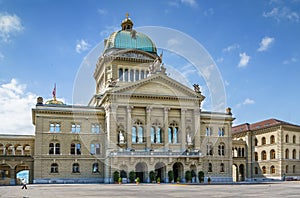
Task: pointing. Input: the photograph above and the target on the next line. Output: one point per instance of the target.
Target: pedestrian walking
(23, 181)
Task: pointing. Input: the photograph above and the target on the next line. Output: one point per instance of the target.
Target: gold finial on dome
(127, 23)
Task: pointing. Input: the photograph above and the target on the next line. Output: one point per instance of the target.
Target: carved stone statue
(196, 88)
(156, 65)
(121, 137)
(189, 138)
(112, 82)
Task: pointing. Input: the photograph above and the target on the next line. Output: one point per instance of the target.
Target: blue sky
(255, 45)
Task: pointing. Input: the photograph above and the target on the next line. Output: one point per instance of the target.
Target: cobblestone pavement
(280, 189)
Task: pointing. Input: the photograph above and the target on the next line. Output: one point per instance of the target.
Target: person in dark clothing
(23, 183)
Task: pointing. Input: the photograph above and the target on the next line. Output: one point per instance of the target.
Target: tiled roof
(258, 125)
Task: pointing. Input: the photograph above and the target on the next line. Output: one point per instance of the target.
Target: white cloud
(9, 25)
(209, 12)
(82, 46)
(283, 13)
(244, 60)
(248, 101)
(15, 108)
(291, 60)
(191, 3)
(265, 43)
(102, 11)
(231, 47)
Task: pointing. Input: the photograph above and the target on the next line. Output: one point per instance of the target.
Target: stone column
(166, 126)
(183, 130)
(129, 135)
(197, 129)
(12, 176)
(148, 127)
(249, 155)
(111, 140)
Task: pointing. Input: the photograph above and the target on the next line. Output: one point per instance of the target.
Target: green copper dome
(128, 38)
(125, 39)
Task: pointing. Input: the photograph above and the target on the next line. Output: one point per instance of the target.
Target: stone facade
(272, 149)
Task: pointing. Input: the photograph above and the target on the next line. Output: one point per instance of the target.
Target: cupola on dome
(128, 38)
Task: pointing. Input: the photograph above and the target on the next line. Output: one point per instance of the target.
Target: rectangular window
(221, 131)
(208, 131)
(95, 128)
(54, 127)
(75, 128)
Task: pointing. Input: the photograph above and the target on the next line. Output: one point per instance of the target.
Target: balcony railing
(156, 153)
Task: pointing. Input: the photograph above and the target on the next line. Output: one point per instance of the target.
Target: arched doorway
(242, 172)
(22, 172)
(4, 174)
(235, 173)
(141, 171)
(160, 171)
(178, 170)
(194, 173)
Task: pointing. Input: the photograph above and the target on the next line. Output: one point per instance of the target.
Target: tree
(116, 176)
(131, 176)
(152, 176)
(171, 175)
(188, 176)
(201, 176)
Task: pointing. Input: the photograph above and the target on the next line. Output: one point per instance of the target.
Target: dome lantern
(127, 24)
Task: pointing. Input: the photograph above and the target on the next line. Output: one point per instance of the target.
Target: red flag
(54, 91)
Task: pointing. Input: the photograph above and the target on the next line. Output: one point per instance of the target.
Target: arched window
(264, 170)
(272, 169)
(256, 156)
(263, 155)
(222, 169)
(294, 154)
(75, 128)
(133, 135)
(209, 149)
(255, 170)
(131, 75)
(243, 152)
(54, 148)
(255, 142)
(138, 132)
(137, 75)
(287, 138)
(93, 151)
(272, 154)
(287, 169)
(120, 74)
(54, 168)
(287, 153)
(75, 168)
(155, 134)
(95, 168)
(142, 74)
(173, 132)
(126, 75)
(294, 168)
(209, 167)
(272, 139)
(263, 141)
(221, 149)
(75, 149)
(294, 139)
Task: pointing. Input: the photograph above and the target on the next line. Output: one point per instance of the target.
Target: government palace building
(141, 123)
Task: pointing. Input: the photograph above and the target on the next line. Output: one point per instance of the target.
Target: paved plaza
(280, 189)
